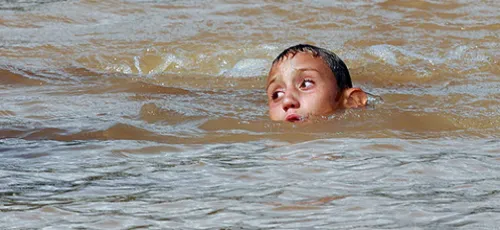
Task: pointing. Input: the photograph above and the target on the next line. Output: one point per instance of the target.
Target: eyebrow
(306, 69)
(273, 78)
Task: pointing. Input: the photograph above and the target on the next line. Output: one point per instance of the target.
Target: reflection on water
(147, 114)
(346, 183)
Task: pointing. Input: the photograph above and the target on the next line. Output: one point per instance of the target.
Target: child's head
(306, 80)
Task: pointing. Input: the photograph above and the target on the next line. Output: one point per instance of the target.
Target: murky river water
(152, 114)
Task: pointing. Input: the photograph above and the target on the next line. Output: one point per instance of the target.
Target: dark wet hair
(336, 64)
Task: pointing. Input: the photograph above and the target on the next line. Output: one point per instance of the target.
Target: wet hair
(338, 67)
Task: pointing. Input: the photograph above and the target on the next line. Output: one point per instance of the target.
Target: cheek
(312, 102)
(272, 106)
(274, 110)
(319, 103)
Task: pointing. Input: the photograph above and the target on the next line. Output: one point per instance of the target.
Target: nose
(290, 101)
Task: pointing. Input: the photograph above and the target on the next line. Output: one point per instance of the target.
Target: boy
(307, 81)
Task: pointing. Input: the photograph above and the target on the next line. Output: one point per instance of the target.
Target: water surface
(152, 114)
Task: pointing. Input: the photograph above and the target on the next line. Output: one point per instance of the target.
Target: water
(152, 114)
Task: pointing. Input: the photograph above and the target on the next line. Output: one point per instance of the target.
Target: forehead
(301, 60)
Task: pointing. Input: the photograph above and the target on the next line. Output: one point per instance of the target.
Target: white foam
(247, 68)
(385, 53)
(121, 68)
(393, 55)
(137, 65)
(457, 53)
(167, 61)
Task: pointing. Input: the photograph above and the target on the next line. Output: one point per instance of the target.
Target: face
(300, 87)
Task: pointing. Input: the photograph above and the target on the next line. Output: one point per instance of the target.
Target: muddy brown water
(152, 114)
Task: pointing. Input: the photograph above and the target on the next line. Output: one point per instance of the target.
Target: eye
(306, 84)
(276, 95)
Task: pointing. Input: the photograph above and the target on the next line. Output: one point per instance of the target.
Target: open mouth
(294, 118)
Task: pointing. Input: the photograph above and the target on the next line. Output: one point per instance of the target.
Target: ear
(353, 98)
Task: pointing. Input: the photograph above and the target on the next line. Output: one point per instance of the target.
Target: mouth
(294, 118)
